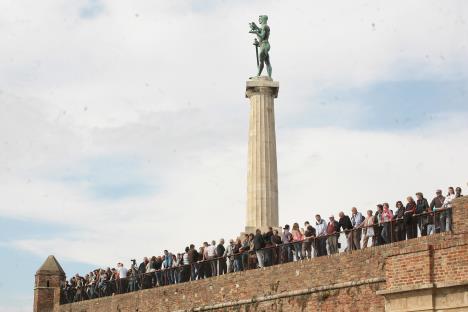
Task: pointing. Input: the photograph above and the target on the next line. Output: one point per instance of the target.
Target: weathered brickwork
(420, 274)
(47, 285)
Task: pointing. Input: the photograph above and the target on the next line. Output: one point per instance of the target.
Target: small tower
(49, 278)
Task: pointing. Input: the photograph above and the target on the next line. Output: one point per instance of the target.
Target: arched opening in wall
(47, 283)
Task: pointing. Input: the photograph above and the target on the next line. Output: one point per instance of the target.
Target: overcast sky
(123, 124)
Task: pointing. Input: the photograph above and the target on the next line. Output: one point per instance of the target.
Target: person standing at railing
(356, 220)
(309, 235)
(378, 226)
(303, 252)
(448, 205)
(185, 270)
(150, 269)
(258, 244)
(201, 264)
(220, 250)
(368, 229)
(166, 266)
(436, 205)
(121, 278)
(141, 273)
(133, 277)
(345, 225)
(237, 256)
(410, 221)
(268, 247)
(421, 208)
(276, 242)
(387, 217)
(398, 217)
(298, 237)
(286, 238)
(333, 232)
(193, 259)
(229, 255)
(321, 230)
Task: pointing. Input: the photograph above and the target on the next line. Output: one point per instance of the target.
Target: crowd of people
(256, 250)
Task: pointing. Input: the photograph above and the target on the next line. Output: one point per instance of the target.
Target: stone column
(262, 177)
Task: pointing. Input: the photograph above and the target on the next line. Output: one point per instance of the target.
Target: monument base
(263, 229)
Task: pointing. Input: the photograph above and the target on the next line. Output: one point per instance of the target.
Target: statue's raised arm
(263, 33)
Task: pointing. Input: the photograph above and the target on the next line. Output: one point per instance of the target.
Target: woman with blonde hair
(298, 237)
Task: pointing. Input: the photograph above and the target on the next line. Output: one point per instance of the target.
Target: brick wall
(46, 291)
(342, 282)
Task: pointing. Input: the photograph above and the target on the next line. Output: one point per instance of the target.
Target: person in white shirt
(356, 220)
(122, 270)
(210, 254)
(122, 278)
(321, 232)
(448, 205)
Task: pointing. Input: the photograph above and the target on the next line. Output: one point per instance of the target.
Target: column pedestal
(262, 177)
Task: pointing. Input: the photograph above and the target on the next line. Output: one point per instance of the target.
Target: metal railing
(395, 230)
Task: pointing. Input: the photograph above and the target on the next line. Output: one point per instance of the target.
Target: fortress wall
(404, 276)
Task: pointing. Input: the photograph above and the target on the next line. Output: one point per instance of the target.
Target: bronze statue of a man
(263, 33)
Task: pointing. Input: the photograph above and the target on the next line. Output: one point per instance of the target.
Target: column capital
(263, 85)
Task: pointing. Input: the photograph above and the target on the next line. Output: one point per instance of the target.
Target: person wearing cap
(421, 209)
(436, 205)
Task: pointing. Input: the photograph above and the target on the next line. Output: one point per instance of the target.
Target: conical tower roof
(51, 266)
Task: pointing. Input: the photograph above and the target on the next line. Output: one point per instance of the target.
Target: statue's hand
(253, 26)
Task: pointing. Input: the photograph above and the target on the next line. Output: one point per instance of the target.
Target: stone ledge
(450, 284)
(405, 289)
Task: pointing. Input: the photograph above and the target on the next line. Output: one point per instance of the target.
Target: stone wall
(424, 274)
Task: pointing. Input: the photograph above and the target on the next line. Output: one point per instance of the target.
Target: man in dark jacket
(345, 224)
(222, 267)
(193, 259)
(268, 247)
(378, 226)
(276, 242)
(141, 271)
(258, 244)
